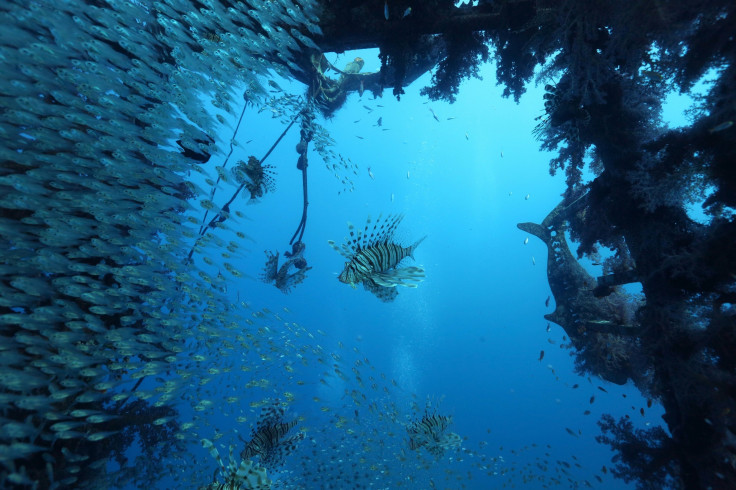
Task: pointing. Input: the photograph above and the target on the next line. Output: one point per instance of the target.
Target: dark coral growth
(612, 68)
(642, 455)
(465, 51)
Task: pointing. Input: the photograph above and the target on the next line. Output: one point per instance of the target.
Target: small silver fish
(721, 127)
(406, 12)
(527, 197)
(501, 154)
(407, 174)
(526, 240)
(467, 137)
(385, 9)
(434, 115)
(370, 174)
(534, 262)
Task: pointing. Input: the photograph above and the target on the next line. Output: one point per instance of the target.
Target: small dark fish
(356, 121)
(548, 327)
(434, 115)
(587, 412)
(592, 399)
(380, 121)
(604, 469)
(571, 432)
(602, 389)
(541, 355)
(369, 109)
(649, 403)
(359, 137)
(546, 303)
(575, 386)
(361, 89)
(641, 410)
(248, 141)
(600, 480)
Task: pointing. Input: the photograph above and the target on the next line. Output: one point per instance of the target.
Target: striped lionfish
(292, 272)
(373, 259)
(247, 475)
(268, 439)
(429, 432)
(255, 176)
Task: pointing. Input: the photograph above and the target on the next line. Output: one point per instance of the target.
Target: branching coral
(465, 51)
(644, 456)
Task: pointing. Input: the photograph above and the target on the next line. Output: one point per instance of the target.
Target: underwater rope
(232, 147)
(220, 217)
(306, 136)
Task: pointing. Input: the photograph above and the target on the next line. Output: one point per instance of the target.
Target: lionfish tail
(416, 244)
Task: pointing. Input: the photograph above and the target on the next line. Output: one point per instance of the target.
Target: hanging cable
(306, 134)
(232, 147)
(221, 216)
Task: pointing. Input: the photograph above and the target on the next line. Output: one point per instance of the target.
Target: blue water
(469, 337)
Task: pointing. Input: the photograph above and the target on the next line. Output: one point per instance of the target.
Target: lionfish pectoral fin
(381, 292)
(399, 277)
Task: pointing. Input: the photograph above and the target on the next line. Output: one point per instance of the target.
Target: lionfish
(373, 259)
(268, 438)
(255, 176)
(246, 475)
(429, 432)
(282, 276)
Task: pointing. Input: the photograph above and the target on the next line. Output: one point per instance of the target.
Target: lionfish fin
(383, 293)
(270, 270)
(343, 250)
(414, 247)
(292, 280)
(381, 232)
(270, 415)
(398, 277)
(278, 453)
(207, 444)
